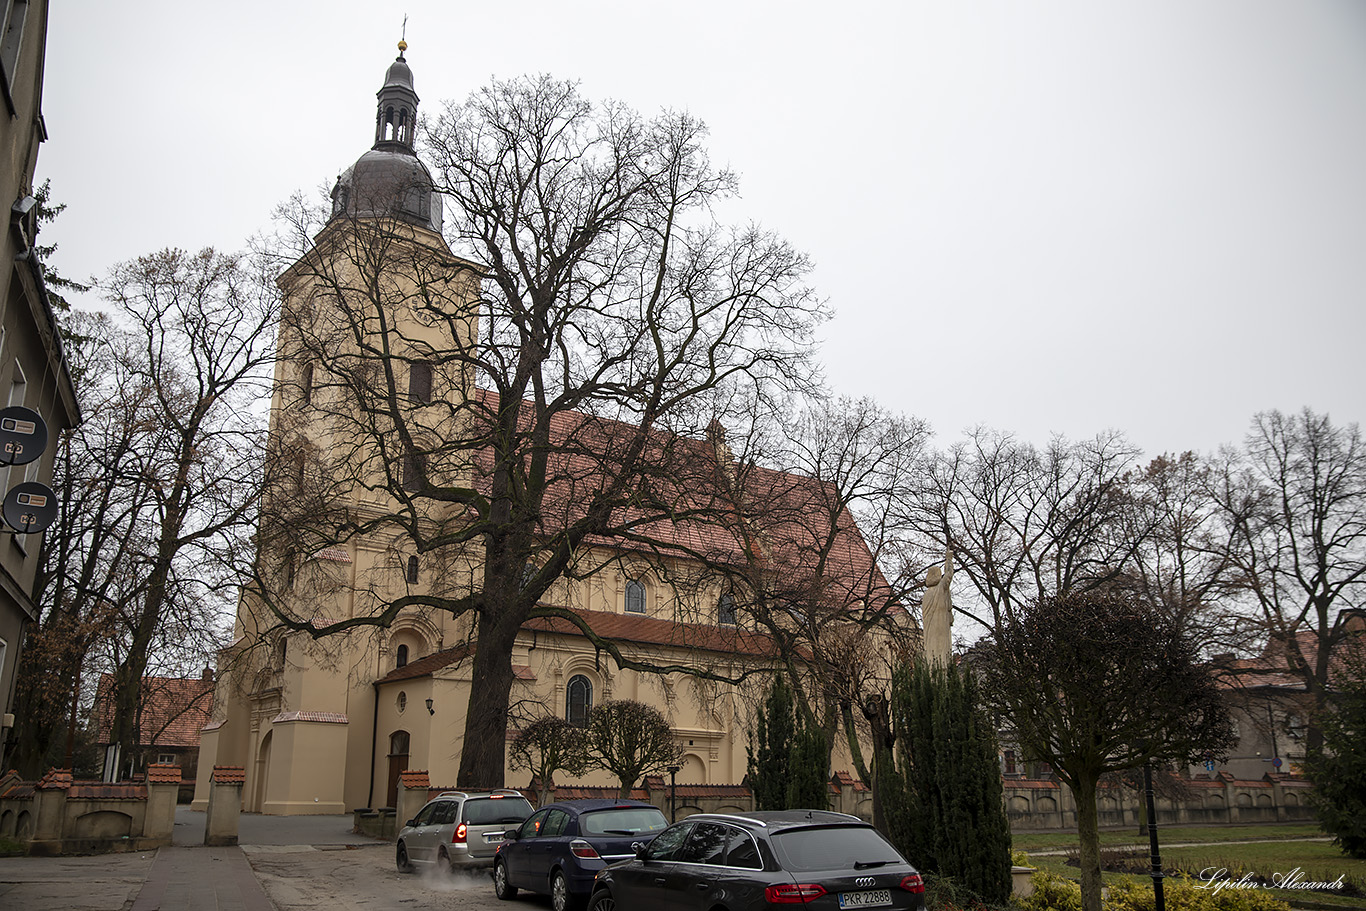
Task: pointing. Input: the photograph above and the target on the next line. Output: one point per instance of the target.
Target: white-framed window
(168, 759)
(578, 700)
(635, 597)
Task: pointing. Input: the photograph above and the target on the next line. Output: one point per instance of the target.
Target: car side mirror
(510, 835)
(412, 822)
(639, 847)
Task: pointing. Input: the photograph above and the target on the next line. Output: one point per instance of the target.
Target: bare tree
(630, 740)
(1099, 682)
(557, 422)
(1181, 563)
(546, 746)
(822, 530)
(181, 453)
(1025, 523)
(1293, 503)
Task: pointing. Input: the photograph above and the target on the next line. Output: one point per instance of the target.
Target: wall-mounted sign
(30, 507)
(23, 435)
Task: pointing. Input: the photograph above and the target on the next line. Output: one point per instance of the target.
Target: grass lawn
(1046, 841)
(1272, 854)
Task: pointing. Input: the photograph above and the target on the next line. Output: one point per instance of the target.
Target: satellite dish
(23, 435)
(30, 507)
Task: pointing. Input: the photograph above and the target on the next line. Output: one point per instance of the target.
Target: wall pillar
(49, 810)
(225, 805)
(163, 788)
(413, 789)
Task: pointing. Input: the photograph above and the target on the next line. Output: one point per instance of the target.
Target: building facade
(33, 369)
(330, 724)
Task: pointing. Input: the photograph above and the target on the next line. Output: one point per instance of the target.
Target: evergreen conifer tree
(769, 768)
(954, 822)
(808, 788)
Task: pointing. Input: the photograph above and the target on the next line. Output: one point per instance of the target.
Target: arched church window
(401, 656)
(725, 611)
(578, 700)
(412, 571)
(306, 381)
(635, 597)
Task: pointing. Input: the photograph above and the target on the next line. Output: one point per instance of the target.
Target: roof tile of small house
(174, 710)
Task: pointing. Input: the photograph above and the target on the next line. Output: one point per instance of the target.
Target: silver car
(460, 829)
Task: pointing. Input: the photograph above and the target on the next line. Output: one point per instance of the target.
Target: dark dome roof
(388, 183)
(399, 75)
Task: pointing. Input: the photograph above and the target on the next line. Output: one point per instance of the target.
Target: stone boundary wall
(847, 795)
(1031, 804)
(58, 815)
(1048, 805)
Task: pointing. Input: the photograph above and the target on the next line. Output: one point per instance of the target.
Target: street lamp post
(673, 792)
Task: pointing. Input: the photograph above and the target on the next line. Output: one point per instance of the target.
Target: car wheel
(404, 864)
(501, 887)
(561, 899)
(602, 901)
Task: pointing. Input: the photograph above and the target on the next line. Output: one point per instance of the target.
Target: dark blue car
(562, 846)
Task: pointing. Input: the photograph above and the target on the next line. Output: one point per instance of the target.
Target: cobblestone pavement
(364, 879)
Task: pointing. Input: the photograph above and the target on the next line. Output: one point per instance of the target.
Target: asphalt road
(363, 878)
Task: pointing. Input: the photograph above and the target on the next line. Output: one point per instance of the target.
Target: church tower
(377, 316)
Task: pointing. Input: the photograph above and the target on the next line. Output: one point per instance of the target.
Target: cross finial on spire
(403, 37)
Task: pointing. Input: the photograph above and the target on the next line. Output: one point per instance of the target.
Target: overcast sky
(1051, 217)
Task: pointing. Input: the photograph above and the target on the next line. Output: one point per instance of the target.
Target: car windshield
(621, 821)
(834, 848)
(484, 811)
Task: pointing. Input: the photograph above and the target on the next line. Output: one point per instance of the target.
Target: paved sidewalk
(211, 879)
(184, 877)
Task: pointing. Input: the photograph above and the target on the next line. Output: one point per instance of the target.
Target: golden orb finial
(402, 46)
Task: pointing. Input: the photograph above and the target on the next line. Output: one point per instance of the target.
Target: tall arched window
(412, 570)
(725, 610)
(635, 597)
(578, 700)
(401, 656)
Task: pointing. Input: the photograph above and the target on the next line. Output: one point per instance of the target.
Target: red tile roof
(650, 631)
(174, 710)
(414, 779)
(428, 664)
(320, 717)
(229, 774)
(162, 774)
(55, 780)
(704, 505)
(98, 790)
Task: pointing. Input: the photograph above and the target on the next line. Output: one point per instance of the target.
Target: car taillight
(581, 848)
(459, 837)
(793, 893)
(913, 883)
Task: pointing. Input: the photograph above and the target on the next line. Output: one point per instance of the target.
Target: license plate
(874, 898)
(491, 837)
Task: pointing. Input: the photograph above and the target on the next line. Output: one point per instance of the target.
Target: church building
(327, 724)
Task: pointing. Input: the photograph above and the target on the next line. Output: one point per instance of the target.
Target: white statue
(936, 613)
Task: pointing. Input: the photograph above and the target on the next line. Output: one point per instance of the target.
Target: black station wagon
(751, 861)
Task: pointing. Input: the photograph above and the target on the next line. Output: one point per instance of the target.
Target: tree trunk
(483, 753)
(1088, 833)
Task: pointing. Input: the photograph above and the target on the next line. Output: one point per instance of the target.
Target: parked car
(749, 861)
(459, 829)
(562, 847)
